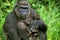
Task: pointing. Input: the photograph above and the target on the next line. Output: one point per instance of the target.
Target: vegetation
(49, 11)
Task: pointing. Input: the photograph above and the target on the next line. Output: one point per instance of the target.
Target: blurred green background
(49, 11)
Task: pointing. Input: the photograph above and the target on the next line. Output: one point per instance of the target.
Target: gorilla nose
(24, 12)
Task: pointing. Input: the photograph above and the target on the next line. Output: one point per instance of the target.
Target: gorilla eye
(23, 7)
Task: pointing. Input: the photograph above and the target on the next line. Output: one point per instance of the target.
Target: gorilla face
(22, 9)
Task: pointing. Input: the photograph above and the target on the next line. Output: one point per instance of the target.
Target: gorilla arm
(9, 27)
(42, 26)
(34, 15)
(43, 30)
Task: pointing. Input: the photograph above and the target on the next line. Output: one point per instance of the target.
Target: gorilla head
(22, 9)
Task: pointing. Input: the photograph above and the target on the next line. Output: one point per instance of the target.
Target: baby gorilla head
(34, 26)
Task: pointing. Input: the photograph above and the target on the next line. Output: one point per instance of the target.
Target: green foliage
(49, 11)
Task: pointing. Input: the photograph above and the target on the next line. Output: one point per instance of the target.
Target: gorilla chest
(21, 25)
(21, 29)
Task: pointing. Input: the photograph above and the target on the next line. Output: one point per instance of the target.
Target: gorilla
(21, 23)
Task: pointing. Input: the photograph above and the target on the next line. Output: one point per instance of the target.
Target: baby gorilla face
(34, 26)
(34, 29)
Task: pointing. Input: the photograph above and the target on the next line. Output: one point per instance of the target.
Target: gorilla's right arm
(9, 27)
(34, 14)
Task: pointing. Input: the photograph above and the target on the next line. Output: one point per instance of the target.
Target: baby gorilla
(38, 29)
(34, 30)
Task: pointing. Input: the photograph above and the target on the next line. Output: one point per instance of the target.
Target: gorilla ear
(16, 4)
